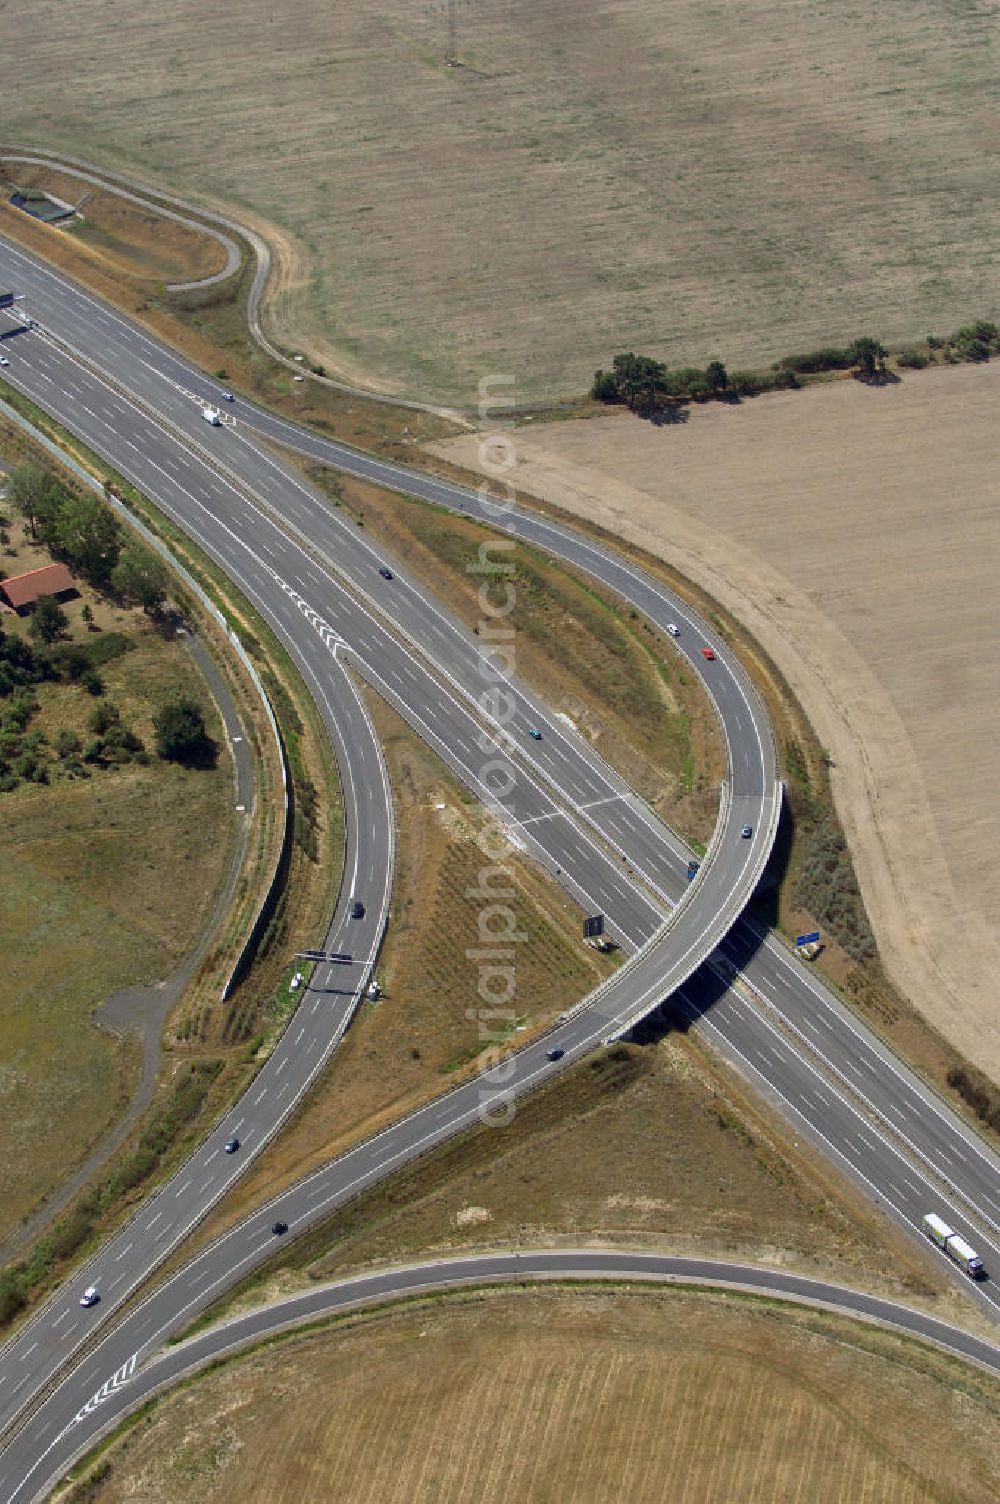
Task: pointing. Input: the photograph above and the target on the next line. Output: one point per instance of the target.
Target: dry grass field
(551, 1396)
(709, 180)
(106, 883)
(855, 532)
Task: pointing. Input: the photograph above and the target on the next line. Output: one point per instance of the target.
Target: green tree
(867, 357)
(140, 577)
(638, 378)
(49, 621)
(86, 530)
(181, 735)
(30, 491)
(716, 376)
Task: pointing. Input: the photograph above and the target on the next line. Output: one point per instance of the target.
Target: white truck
(954, 1245)
(211, 415)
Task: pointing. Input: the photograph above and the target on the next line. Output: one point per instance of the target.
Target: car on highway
(554, 1054)
(385, 573)
(673, 629)
(4, 360)
(232, 1144)
(535, 734)
(357, 909)
(279, 1228)
(228, 397)
(90, 1296)
(708, 653)
(746, 832)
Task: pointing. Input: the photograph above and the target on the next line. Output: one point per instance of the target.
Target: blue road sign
(809, 939)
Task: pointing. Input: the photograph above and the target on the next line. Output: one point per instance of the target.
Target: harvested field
(744, 181)
(562, 1395)
(855, 532)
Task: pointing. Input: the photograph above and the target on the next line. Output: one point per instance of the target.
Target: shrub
(181, 735)
(103, 717)
(827, 358)
(912, 360)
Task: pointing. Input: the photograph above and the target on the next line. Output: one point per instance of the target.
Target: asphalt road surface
(782, 1029)
(135, 1384)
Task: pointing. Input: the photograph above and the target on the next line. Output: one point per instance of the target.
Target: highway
(275, 573)
(317, 585)
(803, 1007)
(132, 1386)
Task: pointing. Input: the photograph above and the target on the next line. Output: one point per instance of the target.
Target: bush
(751, 383)
(12, 1296)
(66, 743)
(912, 360)
(92, 682)
(827, 358)
(103, 717)
(181, 735)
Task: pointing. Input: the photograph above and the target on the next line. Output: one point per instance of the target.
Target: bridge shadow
(701, 992)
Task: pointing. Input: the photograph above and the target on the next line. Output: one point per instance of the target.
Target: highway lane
(126, 1350)
(613, 1016)
(783, 980)
(601, 798)
(121, 1394)
(176, 481)
(809, 1009)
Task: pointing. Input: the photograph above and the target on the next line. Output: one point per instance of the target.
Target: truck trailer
(211, 415)
(954, 1245)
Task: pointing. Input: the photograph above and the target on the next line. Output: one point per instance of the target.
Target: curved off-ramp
(120, 1394)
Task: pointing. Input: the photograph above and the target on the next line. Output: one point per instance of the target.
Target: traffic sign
(809, 939)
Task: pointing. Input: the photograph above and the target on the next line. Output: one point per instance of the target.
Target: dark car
(357, 909)
(555, 1054)
(746, 832)
(385, 573)
(232, 1144)
(535, 734)
(278, 1228)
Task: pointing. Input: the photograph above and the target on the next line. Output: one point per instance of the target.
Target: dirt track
(856, 532)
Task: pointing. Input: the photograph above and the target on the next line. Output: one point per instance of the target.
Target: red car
(708, 653)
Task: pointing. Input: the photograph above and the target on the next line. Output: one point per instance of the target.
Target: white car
(673, 629)
(90, 1296)
(4, 360)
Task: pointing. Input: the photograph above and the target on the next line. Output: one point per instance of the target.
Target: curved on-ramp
(124, 1392)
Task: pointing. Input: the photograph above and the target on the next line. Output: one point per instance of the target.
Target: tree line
(83, 532)
(646, 385)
